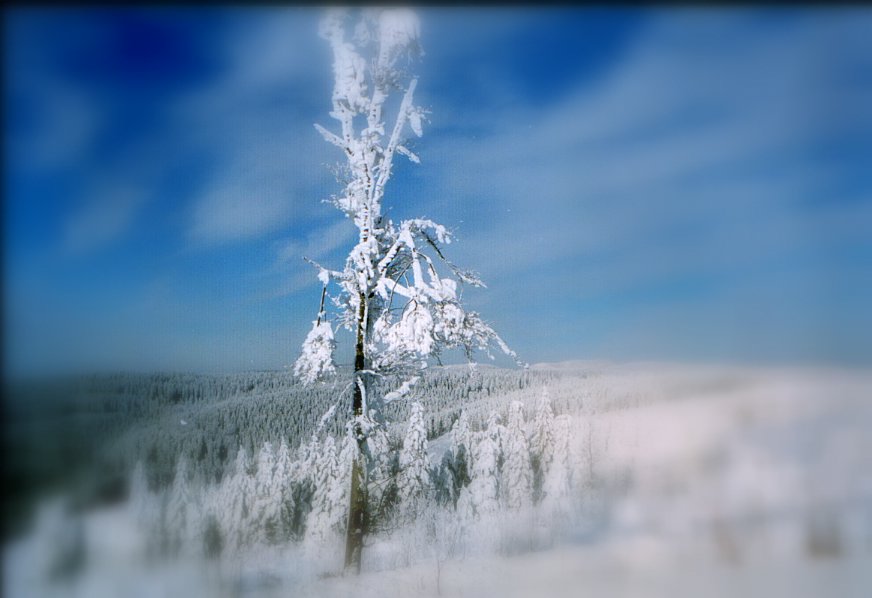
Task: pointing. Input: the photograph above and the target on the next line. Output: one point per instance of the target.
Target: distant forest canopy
(86, 433)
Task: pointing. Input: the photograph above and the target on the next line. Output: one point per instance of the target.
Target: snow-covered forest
(644, 465)
(375, 454)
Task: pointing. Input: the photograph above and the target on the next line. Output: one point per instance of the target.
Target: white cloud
(102, 221)
(669, 186)
(699, 125)
(252, 122)
(318, 243)
(240, 209)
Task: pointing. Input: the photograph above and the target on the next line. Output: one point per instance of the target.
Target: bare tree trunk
(358, 496)
(356, 515)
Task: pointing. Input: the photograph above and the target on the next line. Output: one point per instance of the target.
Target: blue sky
(682, 184)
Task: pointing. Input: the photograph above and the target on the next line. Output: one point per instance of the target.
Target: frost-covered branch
(390, 260)
(316, 360)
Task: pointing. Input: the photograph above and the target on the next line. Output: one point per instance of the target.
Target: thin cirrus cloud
(693, 186)
(242, 209)
(691, 166)
(628, 157)
(318, 243)
(321, 245)
(253, 123)
(103, 221)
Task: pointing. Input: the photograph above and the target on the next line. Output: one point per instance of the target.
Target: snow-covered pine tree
(394, 293)
(459, 458)
(181, 510)
(461, 439)
(303, 484)
(307, 456)
(497, 431)
(558, 480)
(542, 443)
(283, 477)
(237, 494)
(445, 486)
(414, 479)
(326, 513)
(267, 502)
(517, 475)
(481, 497)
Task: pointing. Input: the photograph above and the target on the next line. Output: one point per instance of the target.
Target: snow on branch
(402, 391)
(316, 360)
(391, 292)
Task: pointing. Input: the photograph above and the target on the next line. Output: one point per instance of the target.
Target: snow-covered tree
(542, 443)
(517, 475)
(327, 510)
(497, 432)
(268, 497)
(316, 359)
(236, 499)
(397, 294)
(461, 436)
(283, 478)
(414, 480)
(558, 479)
(307, 456)
(457, 462)
(303, 473)
(481, 497)
(181, 510)
(445, 485)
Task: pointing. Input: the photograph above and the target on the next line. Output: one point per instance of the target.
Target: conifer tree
(517, 474)
(267, 500)
(327, 512)
(237, 494)
(414, 479)
(497, 432)
(542, 443)
(283, 478)
(460, 455)
(481, 497)
(558, 480)
(181, 512)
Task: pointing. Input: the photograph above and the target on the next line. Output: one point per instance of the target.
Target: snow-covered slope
(686, 481)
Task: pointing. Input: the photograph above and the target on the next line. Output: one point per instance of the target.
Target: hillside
(748, 473)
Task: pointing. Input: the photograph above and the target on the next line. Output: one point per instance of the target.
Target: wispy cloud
(705, 185)
(103, 220)
(241, 207)
(254, 123)
(711, 138)
(694, 159)
(318, 243)
(324, 244)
